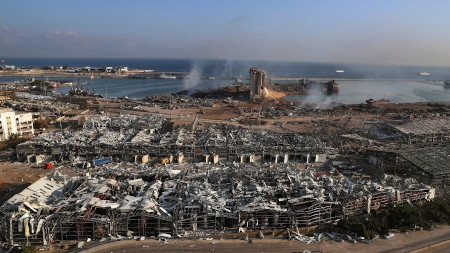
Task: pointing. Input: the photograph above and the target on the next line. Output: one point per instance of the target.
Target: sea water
(351, 92)
(356, 92)
(236, 68)
(141, 88)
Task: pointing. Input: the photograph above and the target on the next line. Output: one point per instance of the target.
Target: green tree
(29, 249)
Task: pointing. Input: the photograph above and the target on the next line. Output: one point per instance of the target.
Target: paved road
(427, 239)
(400, 243)
(437, 248)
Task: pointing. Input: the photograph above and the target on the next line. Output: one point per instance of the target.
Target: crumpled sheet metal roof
(42, 192)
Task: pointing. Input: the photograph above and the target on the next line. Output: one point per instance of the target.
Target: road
(400, 243)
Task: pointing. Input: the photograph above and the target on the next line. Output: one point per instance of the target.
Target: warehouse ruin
(136, 138)
(427, 162)
(191, 199)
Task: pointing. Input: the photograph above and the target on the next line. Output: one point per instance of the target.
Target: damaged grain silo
(257, 84)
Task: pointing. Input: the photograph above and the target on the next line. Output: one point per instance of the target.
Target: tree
(41, 123)
(29, 249)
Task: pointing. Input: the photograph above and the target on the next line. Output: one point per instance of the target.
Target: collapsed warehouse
(411, 131)
(414, 148)
(427, 162)
(192, 199)
(135, 138)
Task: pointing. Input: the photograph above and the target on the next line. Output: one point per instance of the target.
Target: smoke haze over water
(356, 92)
(193, 79)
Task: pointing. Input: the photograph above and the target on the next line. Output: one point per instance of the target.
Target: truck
(101, 161)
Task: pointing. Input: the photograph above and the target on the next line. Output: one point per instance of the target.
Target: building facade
(12, 123)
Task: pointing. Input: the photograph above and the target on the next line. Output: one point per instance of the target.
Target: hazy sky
(395, 32)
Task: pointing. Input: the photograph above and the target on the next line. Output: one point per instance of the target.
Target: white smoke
(228, 69)
(317, 99)
(193, 79)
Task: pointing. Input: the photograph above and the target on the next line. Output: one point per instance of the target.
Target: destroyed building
(416, 148)
(126, 137)
(6, 96)
(411, 131)
(191, 199)
(427, 162)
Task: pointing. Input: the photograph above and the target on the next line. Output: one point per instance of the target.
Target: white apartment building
(12, 123)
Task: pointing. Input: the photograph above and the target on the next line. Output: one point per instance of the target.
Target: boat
(55, 85)
(92, 76)
(66, 83)
(237, 81)
(2, 61)
(447, 84)
(377, 102)
(424, 73)
(52, 84)
(164, 76)
(339, 71)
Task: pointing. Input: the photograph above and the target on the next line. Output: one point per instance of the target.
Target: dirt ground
(400, 243)
(226, 114)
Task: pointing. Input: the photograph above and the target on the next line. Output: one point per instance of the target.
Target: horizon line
(216, 59)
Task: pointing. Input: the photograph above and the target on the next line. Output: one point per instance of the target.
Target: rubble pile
(143, 137)
(424, 127)
(218, 135)
(128, 136)
(126, 122)
(43, 104)
(186, 199)
(111, 138)
(182, 100)
(82, 138)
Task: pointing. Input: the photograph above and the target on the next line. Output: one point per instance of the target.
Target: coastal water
(141, 88)
(356, 92)
(351, 92)
(236, 68)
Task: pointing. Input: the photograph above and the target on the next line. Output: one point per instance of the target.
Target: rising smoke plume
(193, 79)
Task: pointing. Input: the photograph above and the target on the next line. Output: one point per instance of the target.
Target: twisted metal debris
(188, 199)
(128, 136)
